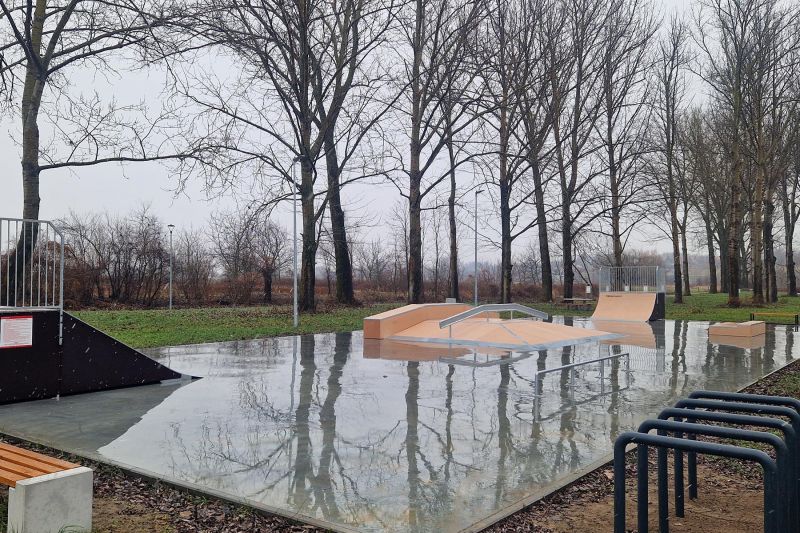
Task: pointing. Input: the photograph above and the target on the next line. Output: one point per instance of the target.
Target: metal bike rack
(644, 441)
(717, 405)
(782, 461)
(784, 427)
(781, 476)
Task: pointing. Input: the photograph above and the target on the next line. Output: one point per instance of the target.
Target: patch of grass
(714, 307)
(3, 511)
(150, 328)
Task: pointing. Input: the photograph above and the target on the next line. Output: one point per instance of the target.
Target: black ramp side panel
(31, 373)
(94, 361)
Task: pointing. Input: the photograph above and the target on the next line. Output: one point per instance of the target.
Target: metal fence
(31, 265)
(632, 279)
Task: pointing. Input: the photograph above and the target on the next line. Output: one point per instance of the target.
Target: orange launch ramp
(476, 326)
(627, 306)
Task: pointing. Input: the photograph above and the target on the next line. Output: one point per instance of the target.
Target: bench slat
(52, 461)
(22, 470)
(28, 462)
(10, 479)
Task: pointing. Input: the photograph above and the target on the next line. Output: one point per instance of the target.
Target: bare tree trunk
(415, 274)
(757, 232)
(344, 268)
(769, 250)
(308, 257)
(267, 275)
(788, 232)
(724, 262)
(415, 279)
(505, 208)
(687, 289)
(712, 258)
(544, 245)
(453, 229)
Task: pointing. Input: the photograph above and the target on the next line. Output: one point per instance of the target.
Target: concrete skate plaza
(314, 428)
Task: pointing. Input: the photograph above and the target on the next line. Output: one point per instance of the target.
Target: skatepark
(240, 421)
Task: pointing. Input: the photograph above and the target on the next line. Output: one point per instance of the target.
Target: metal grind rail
(724, 409)
(31, 266)
(492, 308)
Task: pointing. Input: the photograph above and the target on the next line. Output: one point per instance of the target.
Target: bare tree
(671, 66)
(725, 33)
(270, 250)
(308, 60)
(435, 35)
(629, 30)
(194, 266)
(577, 109)
(44, 44)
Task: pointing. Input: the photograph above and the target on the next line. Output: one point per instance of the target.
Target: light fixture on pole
(475, 289)
(295, 311)
(171, 254)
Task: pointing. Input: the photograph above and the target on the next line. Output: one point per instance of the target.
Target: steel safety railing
(632, 279)
(31, 266)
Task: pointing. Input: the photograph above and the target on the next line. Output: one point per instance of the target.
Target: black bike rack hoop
(643, 441)
(783, 461)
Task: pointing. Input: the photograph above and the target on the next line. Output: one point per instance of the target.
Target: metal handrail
(489, 308)
(34, 251)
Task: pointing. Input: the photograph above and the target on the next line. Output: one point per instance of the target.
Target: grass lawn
(149, 328)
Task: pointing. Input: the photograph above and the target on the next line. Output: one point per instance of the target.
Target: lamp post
(295, 311)
(171, 254)
(475, 290)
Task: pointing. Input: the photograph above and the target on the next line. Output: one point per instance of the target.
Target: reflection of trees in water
(679, 378)
(450, 443)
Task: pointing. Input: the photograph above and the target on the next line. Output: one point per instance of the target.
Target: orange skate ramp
(627, 306)
(386, 324)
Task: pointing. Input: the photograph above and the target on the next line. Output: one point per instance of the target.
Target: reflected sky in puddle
(313, 426)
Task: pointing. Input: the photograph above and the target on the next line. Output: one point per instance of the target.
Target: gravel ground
(126, 503)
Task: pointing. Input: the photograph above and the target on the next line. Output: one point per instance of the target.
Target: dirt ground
(731, 498)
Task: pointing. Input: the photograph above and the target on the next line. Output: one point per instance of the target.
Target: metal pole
(171, 254)
(296, 318)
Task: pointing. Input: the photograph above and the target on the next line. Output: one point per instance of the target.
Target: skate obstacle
(45, 352)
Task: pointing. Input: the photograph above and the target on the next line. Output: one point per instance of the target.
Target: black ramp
(32, 373)
(87, 361)
(94, 361)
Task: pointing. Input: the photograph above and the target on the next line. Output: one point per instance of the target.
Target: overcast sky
(120, 190)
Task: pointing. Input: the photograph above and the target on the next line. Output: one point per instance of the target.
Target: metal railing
(632, 279)
(31, 266)
(493, 308)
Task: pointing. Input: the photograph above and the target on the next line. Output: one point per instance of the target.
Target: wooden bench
(793, 316)
(581, 304)
(45, 494)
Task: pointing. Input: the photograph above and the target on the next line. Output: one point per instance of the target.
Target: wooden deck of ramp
(625, 306)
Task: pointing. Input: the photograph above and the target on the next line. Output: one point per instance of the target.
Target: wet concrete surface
(314, 428)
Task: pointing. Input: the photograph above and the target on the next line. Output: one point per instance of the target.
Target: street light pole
(171, 254)
(295, 311)
(475, 289)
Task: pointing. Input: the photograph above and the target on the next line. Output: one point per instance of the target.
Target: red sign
(16, 331)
